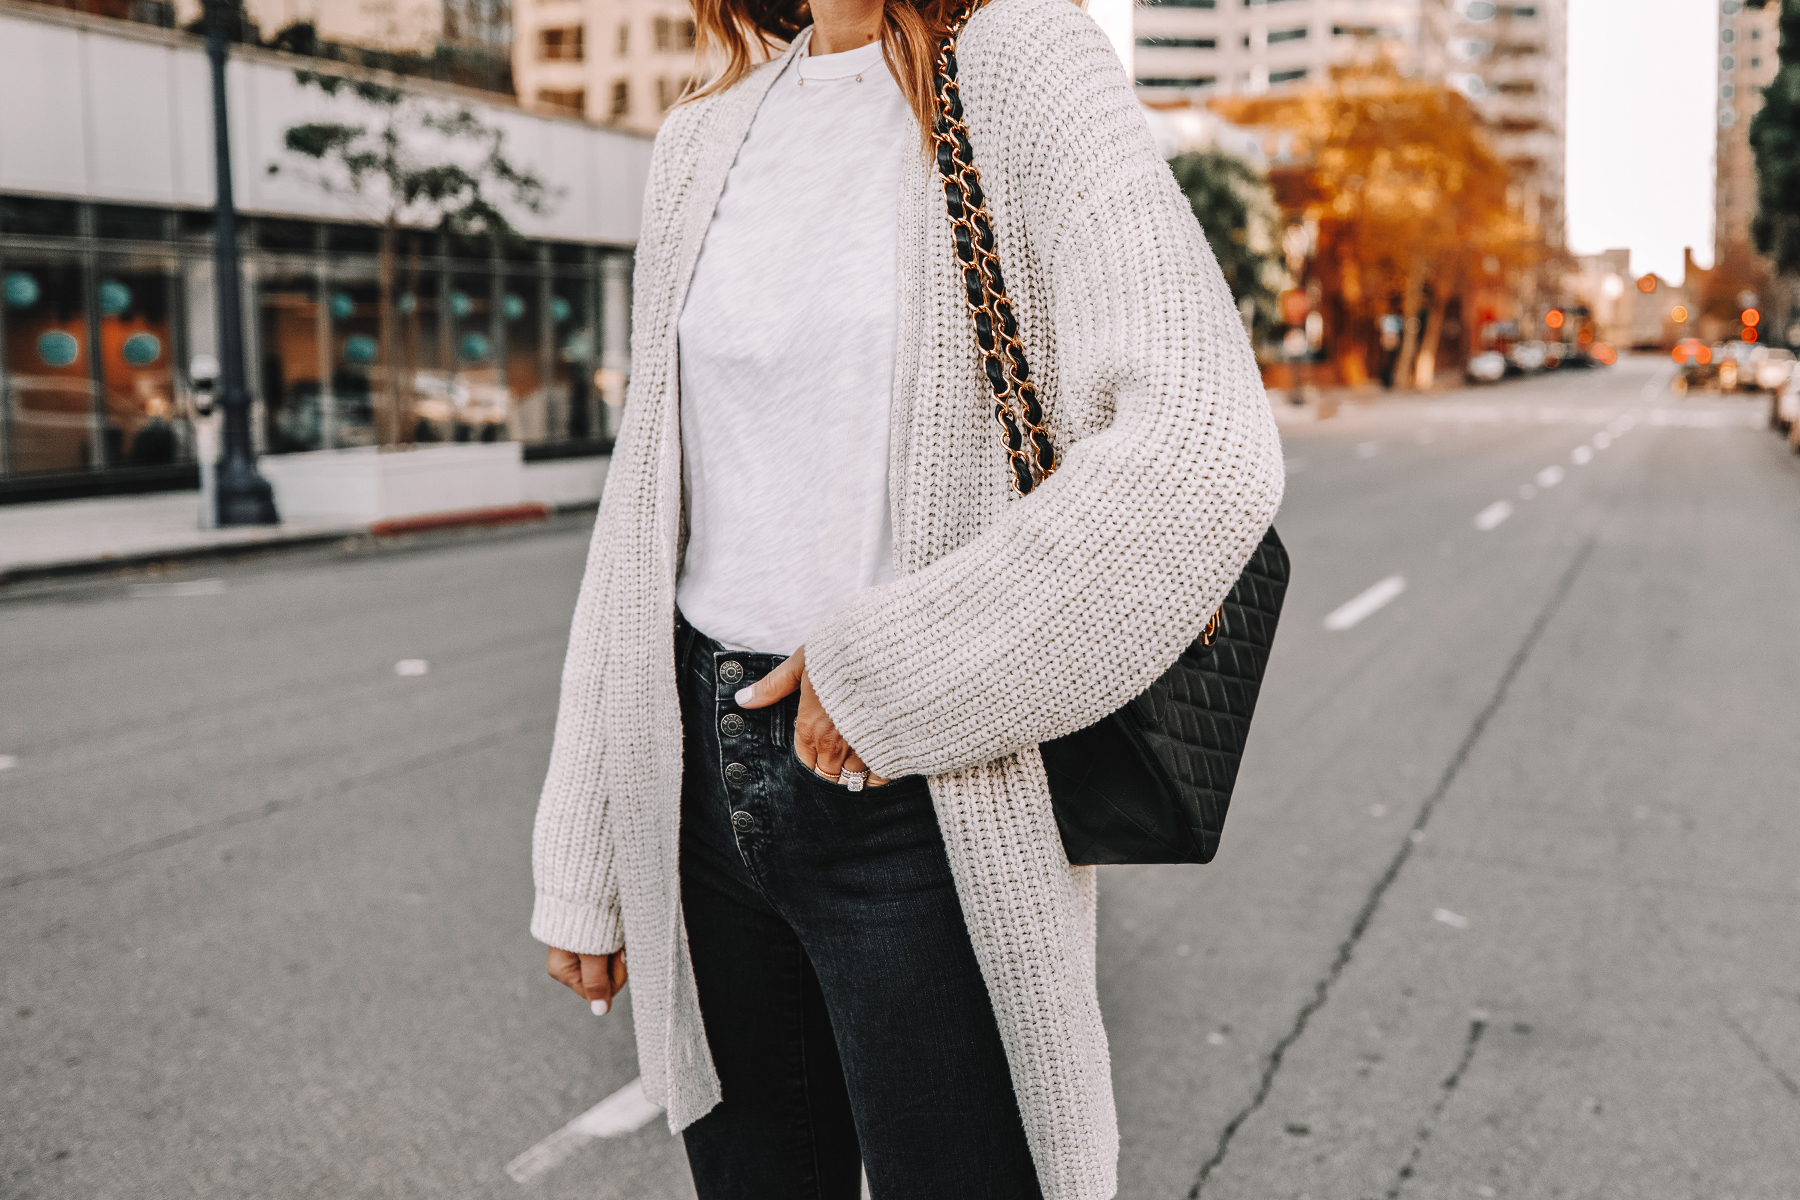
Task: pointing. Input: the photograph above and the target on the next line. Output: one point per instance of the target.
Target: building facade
(106, 266)
(620, 62)
(1512, 61)
(1749, 34)
(1190, 50)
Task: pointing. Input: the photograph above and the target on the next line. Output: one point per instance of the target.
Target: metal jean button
(731, 724)
(742, 820)
(730, 671)
(736, 772)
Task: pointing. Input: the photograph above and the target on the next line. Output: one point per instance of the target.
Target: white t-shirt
(787, 359)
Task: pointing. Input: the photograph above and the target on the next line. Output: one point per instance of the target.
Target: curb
(380, 531)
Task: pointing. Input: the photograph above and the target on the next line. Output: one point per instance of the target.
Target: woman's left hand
(817, 742)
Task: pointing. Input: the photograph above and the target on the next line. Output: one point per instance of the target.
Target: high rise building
(1512, 61)
(1748, 36)
(622, 62)
(1190, 50)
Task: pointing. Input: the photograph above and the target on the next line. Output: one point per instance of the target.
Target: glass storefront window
(292, 391)
(53, 419)
(358, 380)
(131, 223)
(522, 340)
(528, 416)
(136, 297)
(420, 359)
(43, 218)
(576, 356)
(478, 399)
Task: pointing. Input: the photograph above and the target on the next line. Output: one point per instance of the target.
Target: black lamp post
(244, 497)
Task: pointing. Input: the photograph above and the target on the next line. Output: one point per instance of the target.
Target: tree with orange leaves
(1407, 196)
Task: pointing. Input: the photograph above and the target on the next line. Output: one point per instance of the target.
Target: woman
(810, 577)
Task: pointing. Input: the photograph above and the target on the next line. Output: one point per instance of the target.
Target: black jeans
(844, 1009)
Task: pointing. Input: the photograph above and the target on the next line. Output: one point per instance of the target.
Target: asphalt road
(1507, 906)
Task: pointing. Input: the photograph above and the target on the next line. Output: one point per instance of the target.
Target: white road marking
(183, 587)
(1602, 440)
(625, 1111)
(1453, 920)
(1549, 477)
(1354, 611)
(8, 761)
(411, 666)
(1491, 516)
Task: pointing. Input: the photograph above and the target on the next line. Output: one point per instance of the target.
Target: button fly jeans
(843, 1006)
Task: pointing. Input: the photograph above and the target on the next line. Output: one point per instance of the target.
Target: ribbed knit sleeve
(574, 859)
(1075, 598)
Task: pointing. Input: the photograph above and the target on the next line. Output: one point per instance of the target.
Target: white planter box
(366, 485)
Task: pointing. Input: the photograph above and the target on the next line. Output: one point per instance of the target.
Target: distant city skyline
(1642, 129)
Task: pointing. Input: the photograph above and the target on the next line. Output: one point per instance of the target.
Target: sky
(1641, 129)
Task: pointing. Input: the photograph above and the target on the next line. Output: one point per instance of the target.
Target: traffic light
(1750, 317)
(1646, 284)
(1554, 318)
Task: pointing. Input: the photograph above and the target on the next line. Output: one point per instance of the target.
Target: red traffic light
(1646, 284)
(1554, 318)
(1750, 317)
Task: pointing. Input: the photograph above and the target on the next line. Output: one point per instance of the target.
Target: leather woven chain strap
(1030, 452)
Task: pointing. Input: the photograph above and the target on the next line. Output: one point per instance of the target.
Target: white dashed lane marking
(625, 1111)
(1354, 611)
(1491, 516)
(1549, 477)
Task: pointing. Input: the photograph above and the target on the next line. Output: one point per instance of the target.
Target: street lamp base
(245, 497)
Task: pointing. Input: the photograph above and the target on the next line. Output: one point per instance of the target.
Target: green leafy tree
(1775, 138)
(1237, 213)
(425, 164)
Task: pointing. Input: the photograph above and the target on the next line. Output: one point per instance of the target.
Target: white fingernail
(745, 695)
(599, 1007)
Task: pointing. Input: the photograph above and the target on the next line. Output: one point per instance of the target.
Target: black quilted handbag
(1151, 782)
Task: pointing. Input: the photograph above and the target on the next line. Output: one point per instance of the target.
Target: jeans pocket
(904, 784)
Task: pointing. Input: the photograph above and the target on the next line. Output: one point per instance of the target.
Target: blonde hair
(745, 32)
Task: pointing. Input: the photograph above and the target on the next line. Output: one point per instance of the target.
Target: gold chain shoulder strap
(1030, 452)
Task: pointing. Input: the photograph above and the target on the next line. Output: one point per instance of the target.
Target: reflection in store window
(477, 395)
(527, 413)
(46, 337)
(292, 394)
(572, 399)
(137, 362)
(358, 380)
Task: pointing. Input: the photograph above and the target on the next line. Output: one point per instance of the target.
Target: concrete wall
(109, 110)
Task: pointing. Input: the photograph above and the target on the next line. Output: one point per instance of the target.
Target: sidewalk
(74, 537)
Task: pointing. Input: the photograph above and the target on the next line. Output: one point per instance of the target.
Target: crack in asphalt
(1445, 1091)
(1366, 915)
(265, 810)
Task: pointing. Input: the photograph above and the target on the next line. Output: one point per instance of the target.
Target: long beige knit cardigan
(1010, 622)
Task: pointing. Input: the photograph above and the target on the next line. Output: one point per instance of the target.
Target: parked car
(1528, 357)
(1489, 367)
(1774, 367)
(1787, 403)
